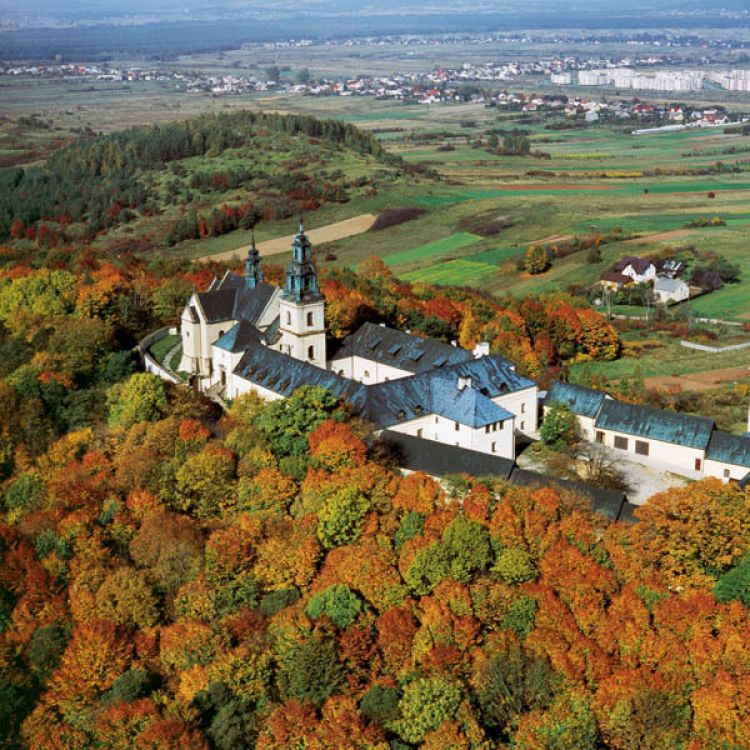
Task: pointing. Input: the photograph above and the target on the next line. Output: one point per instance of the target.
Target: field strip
(673, 234)
(330, 233)
(430, 249)
(699, 381)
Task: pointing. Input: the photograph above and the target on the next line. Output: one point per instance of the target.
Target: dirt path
(699, 381)
(673, 234)
(329, 233)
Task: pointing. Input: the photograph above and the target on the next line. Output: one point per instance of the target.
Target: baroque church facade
(243, 334)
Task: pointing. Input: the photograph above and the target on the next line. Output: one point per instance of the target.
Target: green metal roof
(729, 449)
(657, 424)
(585, 402)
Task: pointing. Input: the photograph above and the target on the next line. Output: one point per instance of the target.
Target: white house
(671, 290)
(639, 269)
(245, 335)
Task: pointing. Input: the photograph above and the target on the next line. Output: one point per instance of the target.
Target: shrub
(392, 217)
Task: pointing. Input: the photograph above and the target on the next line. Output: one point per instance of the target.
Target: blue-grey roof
(402, 350)
(239, 337)
(405, 399)
(657, 424)
(583, 401)
(729, 449)
(282, 374)
(492, 376)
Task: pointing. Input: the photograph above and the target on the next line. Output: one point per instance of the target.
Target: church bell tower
(302, 308)
(253, 269)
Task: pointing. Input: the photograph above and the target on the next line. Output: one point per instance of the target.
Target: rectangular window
(523, 408)
(727, 473)
(494, 427)
(621, 442)
(641, 447)
(697, 464)
(437, 419)
(487, 429)
(458, 426)
(600, 437)
(523, 425)
(494, 447)
(419, 432)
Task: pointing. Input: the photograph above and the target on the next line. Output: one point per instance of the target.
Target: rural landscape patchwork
(375, 377)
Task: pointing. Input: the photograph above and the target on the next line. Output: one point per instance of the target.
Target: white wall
(716, 469)
(222, 359)
(676, 458)
(443, 430)
(366, 371)
(525, 405)
(297, 336)
(237, 386)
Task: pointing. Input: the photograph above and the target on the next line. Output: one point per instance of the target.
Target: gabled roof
(401, 350)
(218, 305)
(402, 400)
(729, 449)
(583, 401)
(492, 376)
(239, 337)
(639, 265)
(665, 284)
(231, 299)
(282, 374)
(657, 424)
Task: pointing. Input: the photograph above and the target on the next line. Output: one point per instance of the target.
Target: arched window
(288, 318)
(311, 352)
(309, 320)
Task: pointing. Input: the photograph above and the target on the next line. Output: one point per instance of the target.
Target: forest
(177, 577)
(99, 180)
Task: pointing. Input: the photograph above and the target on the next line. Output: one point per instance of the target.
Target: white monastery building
(243, 334)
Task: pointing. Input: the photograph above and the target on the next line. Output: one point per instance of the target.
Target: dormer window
(401, 414)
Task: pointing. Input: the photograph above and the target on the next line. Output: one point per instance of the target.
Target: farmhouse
(682, 443)
(639, 269)
(243, 335)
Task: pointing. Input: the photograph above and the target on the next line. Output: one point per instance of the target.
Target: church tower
(301, 308)
(253, 269)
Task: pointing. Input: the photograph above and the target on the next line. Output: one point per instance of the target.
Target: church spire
(253, 269)
(301, 277)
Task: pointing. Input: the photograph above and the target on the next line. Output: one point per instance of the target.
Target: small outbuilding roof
(665, 284)
(657, 424)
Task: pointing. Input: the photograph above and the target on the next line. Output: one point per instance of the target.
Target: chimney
(454, 343)
(464, 381)
(482, 349)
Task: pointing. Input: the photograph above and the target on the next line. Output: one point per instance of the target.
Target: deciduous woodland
(173, 577)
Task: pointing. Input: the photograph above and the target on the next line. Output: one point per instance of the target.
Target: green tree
(514, 565)
(463, 551)
(425, 705)
(536, 260)
(341, 517)
(338, 602)
(204, 484)
(558, 427)
(735, 584)
(141, 398)
(287, 422)
(310, 671)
